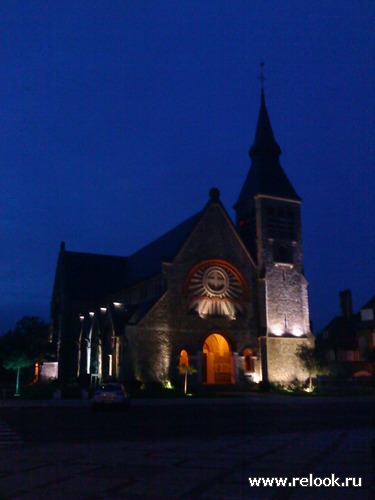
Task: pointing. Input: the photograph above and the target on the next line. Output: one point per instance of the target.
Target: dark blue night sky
(117, 117)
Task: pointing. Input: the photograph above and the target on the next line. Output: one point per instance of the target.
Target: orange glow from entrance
(218, 361)
(217, 344)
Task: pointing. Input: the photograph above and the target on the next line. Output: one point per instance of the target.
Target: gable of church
(213, 273)
(210, 290)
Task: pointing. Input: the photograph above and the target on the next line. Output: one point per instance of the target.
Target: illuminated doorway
(217, 365)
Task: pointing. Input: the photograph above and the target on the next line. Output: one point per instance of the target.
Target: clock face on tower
(215, 289)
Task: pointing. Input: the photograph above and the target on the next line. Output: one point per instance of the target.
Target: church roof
(147, 261)
(93, 277)
(90, 277)
(140, 310)
(341, 333)
(266, 176)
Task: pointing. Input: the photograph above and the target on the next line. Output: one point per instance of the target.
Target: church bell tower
(268, 220)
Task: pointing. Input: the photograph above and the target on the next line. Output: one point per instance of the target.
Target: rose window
(215, 290)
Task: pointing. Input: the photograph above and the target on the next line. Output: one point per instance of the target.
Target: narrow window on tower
(281, 223)
(283, 252)
(272, 222)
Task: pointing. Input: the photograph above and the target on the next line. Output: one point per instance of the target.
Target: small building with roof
(348, 341)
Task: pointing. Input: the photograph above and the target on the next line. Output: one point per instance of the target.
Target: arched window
(248, 360)
(215, 288)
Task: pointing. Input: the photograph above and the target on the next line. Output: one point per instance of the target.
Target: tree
(186, 370)
(23, 346)
(309, 361)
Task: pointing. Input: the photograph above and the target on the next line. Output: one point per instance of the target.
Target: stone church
(229, 299)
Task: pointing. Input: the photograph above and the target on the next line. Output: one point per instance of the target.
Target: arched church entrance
(217, 362)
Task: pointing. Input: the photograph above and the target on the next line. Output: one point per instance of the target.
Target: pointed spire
(266, 175)
(264, 139)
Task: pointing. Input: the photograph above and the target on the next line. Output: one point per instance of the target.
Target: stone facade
(283, 365)
(171, 327)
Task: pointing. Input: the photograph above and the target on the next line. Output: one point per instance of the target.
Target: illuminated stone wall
(287, 304)
(155, 343)
(283, 364)
(147, 349)
(214, 238)
(282, 289)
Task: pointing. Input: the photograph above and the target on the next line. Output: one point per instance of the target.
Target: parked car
(111, 395)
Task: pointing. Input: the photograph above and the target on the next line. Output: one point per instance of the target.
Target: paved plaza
(188, 468)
